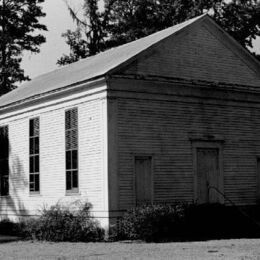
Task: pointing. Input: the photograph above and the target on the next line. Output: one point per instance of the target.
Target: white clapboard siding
(52, 159)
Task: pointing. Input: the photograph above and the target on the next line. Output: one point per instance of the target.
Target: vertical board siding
(52, 161)
(163, 129)
(198, 55)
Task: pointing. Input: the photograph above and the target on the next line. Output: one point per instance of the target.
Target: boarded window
(34, 155)
(71, 145)
(4, 161)
(143, 179)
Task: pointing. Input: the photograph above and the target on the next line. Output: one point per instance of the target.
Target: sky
(58, 21)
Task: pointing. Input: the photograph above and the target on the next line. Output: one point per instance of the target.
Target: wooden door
(208, 175)
(258, 181)
(143, 179)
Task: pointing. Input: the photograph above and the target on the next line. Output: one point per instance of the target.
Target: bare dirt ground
(243, 249)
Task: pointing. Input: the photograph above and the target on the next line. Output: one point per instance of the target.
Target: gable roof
(90, 68)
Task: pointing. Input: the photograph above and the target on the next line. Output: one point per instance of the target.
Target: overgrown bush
(152, 223)
(59, 223)
(180, 222)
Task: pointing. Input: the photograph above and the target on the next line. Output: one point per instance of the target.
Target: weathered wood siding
(163, 126)
(200, 54)
(92, 183)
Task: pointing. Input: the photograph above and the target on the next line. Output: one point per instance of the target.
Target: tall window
(4, 161)
(71, 135)
(34, 155)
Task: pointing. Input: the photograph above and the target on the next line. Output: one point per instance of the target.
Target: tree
(137, 18)
(93, 28)
(18, 22)
(125, 21)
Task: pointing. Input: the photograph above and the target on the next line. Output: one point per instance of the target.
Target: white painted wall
(92, 113)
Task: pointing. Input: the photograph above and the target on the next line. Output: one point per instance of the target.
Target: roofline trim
(62, 90)
(185, 81)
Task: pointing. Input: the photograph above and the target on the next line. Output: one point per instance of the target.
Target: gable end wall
(197, 55)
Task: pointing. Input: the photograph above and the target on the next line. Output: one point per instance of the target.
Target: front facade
(178, 120)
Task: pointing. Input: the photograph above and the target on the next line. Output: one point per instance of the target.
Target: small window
(34, 155)
(4, 161)
(71, 153)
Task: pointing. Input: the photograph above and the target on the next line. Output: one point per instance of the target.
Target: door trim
(213, 145)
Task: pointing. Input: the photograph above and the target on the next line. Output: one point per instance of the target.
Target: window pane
(75, 159)
(4, 185)
(75, 179)
(32, 146)
(31, 128)
(68, 119)
(68, 140)
(36, 126)
(32, 169)
(4, 167)
(31, 182)
(37, 182)
(68, 160)
(36, 145)
(4, 145)
(36, 163)
(74, 139)
(68, 180)
(74, 118)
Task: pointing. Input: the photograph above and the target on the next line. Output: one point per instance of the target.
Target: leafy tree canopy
(124, 21)
(18, 22)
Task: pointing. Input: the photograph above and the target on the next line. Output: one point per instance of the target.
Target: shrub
(180, 222)
(59, 223)
(152, 223)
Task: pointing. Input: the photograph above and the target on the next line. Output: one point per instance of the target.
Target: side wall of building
(164, 120)
(91, 149)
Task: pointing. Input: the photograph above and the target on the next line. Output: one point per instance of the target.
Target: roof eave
(57, 93)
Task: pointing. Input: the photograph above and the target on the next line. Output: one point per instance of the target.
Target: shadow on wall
(11, 201)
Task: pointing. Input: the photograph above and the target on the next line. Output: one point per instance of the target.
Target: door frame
(134, 175)
(213, 145)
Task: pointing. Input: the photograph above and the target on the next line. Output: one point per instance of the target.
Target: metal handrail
(233, 204)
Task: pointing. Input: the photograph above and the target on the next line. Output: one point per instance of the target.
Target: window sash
(34, 182)
(71, 150)
(72, 181)
(34, 155)
(4, 161)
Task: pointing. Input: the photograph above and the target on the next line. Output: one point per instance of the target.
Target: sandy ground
(243, 249)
